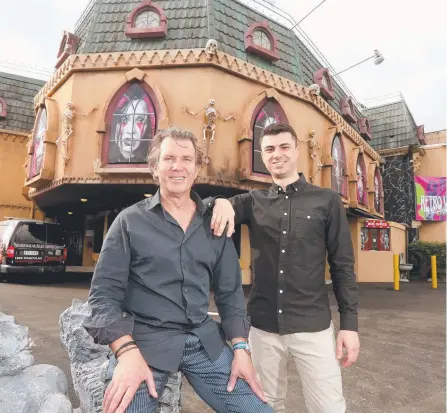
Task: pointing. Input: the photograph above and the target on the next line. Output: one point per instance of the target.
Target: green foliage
(421, 251)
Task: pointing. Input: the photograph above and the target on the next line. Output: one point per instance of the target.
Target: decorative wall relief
(67, 130)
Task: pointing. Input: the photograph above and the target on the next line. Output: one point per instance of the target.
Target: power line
(26, 68)
(308, 14)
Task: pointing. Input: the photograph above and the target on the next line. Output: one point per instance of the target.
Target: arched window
(269, 112)
(362, 193)
(131, 124)
(147, 19)
(378, 190)
(262, 39)
(38, 143)
(339, 181)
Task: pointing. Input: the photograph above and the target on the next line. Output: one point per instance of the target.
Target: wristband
(129, 343)
(124, 351)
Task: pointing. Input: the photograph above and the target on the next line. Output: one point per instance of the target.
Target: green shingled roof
(190, 24)
(18, 92)
(231, 21)
(392, 126)
(104, 27)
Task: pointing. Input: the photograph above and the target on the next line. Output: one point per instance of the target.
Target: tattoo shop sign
(431, 199)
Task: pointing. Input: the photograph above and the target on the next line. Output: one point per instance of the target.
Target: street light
(377, 56)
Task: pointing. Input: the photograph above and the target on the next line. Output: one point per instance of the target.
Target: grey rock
(88, 360)
(89, 363)
(56, 403)
(26, 391)
(15, 346)
(171, 400)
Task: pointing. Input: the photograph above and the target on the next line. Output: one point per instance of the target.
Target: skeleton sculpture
(211, 48)
(211, 115)
(314, 146)
(67, 130)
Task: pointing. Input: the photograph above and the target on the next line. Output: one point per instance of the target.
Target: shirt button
(280, 291)
(285, 213)
(308, 217)
(185, 289)
(281, 271)
(284, 232)
(280, 311)
(287, 197)
(283, 251)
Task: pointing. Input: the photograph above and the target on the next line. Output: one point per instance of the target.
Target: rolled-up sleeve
(108, 321)
(228, 293)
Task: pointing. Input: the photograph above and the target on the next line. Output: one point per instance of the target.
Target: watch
(243, 345)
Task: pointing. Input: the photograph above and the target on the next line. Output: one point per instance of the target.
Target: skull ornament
(314, 89)
(211, 47)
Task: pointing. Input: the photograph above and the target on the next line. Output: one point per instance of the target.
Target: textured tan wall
(433, 231)
(433, 163)
(12, 176)
(180, 87)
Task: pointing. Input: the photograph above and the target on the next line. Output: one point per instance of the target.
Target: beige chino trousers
(316, 363)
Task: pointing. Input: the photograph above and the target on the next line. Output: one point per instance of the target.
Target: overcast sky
(411, 37)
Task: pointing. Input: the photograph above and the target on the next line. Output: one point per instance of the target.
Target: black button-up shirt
(152, 281)
(292, 233)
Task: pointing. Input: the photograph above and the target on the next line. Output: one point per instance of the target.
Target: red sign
(370, 223)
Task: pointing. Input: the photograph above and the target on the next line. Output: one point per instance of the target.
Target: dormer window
(67, 47)
(347, 109)
(260, 40)
(323, 79)
(147, 20)
(365, 128)
(3, 111)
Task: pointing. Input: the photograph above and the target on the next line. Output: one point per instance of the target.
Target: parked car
(31, 247)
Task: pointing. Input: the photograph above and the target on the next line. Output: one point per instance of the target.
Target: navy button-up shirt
(152, 281)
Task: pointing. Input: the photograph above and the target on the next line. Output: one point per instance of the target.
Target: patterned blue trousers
(209, 380)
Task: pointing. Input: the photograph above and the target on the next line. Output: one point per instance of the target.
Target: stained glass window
(132, 125)
(270, 112)
(38, 144)
(378, 191)
(362, 194)
(339, 181)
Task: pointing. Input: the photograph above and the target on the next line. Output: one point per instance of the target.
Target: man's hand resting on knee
(130, 372)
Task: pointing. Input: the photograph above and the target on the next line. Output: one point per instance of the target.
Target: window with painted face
(133, 126)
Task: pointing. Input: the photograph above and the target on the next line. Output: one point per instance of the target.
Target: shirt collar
(155, 200)
(295, 186)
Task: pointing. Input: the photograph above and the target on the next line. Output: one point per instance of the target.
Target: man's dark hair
(277, 128)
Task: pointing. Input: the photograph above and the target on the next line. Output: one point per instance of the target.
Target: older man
(150, 295)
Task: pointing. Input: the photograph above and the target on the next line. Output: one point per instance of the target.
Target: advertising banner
(430, 198)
